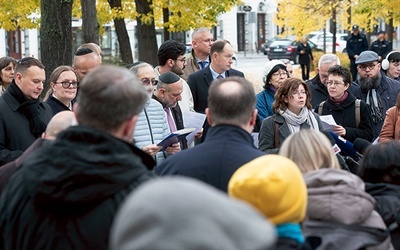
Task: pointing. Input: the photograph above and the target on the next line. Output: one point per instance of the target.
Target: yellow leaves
(19, 13)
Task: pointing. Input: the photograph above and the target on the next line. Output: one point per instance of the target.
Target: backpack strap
(358, 101)
(320, 107)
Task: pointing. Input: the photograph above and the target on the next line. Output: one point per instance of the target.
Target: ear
(253, 117)
(129, 127)
(18, 78)
(170, 63)
(208, 114)
(285, 99)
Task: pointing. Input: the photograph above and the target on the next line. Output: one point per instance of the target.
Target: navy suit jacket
(200, 81)
(214, 161)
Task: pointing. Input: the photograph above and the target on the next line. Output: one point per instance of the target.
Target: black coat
(56, 105)
(355, 45)
(66, 193)
(387, 204)
(15, 134)
(307, 56)
(216, 159)
(344, 115)
(382, 48)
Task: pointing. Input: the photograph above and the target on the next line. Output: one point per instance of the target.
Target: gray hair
(328, 59)
(138, 65)
(200, 30)
(109, 96)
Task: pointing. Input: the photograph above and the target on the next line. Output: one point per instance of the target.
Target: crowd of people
(84, 167)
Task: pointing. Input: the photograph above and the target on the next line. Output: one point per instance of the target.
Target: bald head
(83, 64)
(231, 101)
(60, 122)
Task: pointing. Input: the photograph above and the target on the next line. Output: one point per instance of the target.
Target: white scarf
(293, 120)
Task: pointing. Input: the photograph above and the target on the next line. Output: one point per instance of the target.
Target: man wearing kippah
(169, 92)
(376, 89)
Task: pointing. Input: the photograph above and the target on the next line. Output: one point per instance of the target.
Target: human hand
(339, 130)
(151, 149)
(199, 134)
(175, 148)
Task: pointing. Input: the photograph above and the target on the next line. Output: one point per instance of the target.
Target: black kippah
(83, 51)
(169, 77)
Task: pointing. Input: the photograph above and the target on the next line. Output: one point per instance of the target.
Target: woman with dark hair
(305, 58)
(391, 65)
(292, 110)
(274, 74)
(391, 125)
(380, 169)
(352, 116)
(7, 65)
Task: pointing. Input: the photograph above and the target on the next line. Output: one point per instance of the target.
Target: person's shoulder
(197, 74)
(235, 72)
(176, 163)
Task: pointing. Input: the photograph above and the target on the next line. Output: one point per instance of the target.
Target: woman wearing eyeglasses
(63, 86)
(292, 110)
(353, 118)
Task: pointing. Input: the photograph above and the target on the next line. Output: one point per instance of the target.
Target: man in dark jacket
(23, 117)
(381, 46)
(66, 193)
(231, 113)
(356, 44)
(376, 89)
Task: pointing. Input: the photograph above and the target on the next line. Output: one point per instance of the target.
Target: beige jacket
(391, 126)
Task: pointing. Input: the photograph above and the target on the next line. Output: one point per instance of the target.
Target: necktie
(171, 122)
(203, 64)
(219, 77)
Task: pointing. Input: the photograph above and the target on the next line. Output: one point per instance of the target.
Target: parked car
(341, 40)
(267, 43)
(286, 49)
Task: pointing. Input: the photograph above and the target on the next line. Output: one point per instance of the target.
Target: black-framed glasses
(364, 67)
(66, 84)
(147, 81)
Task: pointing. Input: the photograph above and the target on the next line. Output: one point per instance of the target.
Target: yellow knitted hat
(274, 185)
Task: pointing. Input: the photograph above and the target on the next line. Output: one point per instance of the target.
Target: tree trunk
(334, 26)
(146, 34)
(166, 19)
(55, 35)
(122, 35)
(390, 30)
(90, 24)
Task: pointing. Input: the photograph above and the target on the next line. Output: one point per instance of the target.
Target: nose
(179, 98)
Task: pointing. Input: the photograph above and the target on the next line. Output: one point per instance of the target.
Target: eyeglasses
(66, 84)
(147, 81)
(182, 60)
(280, 73)
(336, 83)
(298, 93)
(364, 67)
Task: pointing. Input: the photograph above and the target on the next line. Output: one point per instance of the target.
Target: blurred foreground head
(181, 213)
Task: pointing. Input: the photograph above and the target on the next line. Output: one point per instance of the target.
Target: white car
(341, 40)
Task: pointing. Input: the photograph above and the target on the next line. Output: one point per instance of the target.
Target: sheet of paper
(193, 120)
(328, 121)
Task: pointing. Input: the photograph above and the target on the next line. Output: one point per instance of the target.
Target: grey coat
(266, 137)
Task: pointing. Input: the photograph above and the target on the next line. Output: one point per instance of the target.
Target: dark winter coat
(345, 115)
(56, 105)
(387, 204)
(356, 44)
(66, 193)
(15, 134)
(216, 159)
(307, 56)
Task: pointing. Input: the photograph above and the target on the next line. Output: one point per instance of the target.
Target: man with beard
(376, 89)
(171, 58)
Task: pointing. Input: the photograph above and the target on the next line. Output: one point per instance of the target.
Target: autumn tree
(90, 24)
(55, 34)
